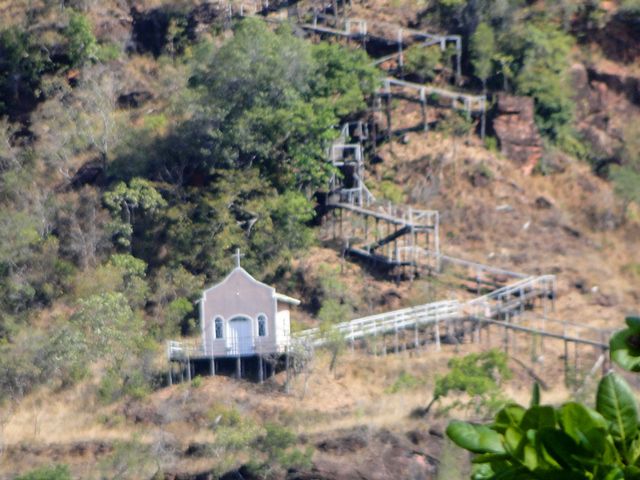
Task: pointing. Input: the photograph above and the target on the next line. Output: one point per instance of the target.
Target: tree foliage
(570, 441)
(423, 61)
(57, 472)
(544, 54)
(479, 376)
(22, 64)
(483, 50)
(81, 43)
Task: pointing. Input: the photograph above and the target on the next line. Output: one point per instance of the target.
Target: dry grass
(559, 240)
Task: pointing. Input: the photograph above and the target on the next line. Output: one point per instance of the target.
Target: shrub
(482, 52)
(278, 445)
(405, 381)
(22, 64)
(480, 376)
(81, 43)
(390, 191)
(224, 416)
(58, 472)
(544, 50)
(423, 61)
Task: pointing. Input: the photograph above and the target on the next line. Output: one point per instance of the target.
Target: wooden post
(260, 368)
(505, 340)
(170, 373)
(458, 60)
(366, 231)
(437, 335)
(395, 327)
(566, 355)
(333, 223)
(287, 386)
(400, 54)
(576, 361)
(238, 367)
(388, 114)
(423, 110)
(375, 340)
(416, 339)
(483, 119)
(488, 333)
(384, 344)
(188, 369)
(353, 346)
(213, 365)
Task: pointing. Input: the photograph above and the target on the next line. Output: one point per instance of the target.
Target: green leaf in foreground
(585, 426)
(475, 438)
(625, 346)
(616, 403)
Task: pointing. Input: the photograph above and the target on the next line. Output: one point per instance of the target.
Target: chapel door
(240, 339)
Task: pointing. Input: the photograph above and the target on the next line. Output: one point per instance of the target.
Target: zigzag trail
(411, 240)
(401, 246)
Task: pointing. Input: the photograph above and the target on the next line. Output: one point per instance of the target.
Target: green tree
(111, 329)
(479, 376)
(81, 43)
(174, 290)
(331, 313)
(483, 49)
(124, 201)
(22, 64)
(283, 129)
(543, 74)
(343, 76)
(423, 61)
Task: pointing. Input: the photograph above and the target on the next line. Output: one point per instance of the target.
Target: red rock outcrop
(516, 130)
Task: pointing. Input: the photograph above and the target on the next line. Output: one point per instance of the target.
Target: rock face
(516, 130)
(619, 39)
(605, 98)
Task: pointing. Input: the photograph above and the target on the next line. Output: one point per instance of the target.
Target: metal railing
(380, 324)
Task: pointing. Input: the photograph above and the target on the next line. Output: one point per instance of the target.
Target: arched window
(262, 326)
(218, 323)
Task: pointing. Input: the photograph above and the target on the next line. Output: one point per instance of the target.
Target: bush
(423, 61)
(480, 376)
(405, 381)
(224, 416)
(278, 445)
(58, 472)
(544, 50)
(390, 191)
(81, 43)
(22, 64)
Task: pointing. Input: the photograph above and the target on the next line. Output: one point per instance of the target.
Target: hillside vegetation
(142, 143)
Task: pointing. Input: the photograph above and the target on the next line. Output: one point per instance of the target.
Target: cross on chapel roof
(237, 257)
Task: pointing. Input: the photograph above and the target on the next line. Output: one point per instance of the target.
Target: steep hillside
(141, 143)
